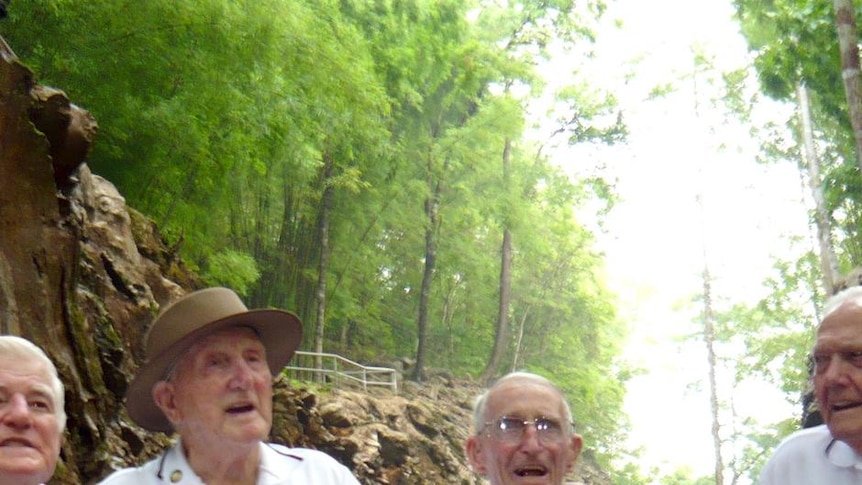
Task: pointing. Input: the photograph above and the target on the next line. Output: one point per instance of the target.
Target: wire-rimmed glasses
(510, 429)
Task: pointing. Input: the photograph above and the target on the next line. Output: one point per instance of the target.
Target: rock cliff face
(82, 274)
(414, 437)
(397, 439)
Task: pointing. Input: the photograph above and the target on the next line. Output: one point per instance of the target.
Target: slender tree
(828, 258)
(848, 41)
(323, 259)
(432, 211)
(501, 334)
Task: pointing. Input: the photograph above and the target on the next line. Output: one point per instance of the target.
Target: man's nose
(242, 375)
(16, 412)
(530, 439)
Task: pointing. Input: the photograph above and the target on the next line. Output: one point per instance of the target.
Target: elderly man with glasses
(829, 453)
(522, 432)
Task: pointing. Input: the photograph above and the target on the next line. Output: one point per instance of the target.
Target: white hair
(21, 348)
(480, 405)
(838, 299)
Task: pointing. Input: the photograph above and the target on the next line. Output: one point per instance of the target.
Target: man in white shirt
(830, 453)
(209, 379)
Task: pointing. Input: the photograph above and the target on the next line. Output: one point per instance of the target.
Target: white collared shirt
(812, 457)
(279, 465)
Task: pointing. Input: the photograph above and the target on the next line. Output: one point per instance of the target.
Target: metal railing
(340, 371)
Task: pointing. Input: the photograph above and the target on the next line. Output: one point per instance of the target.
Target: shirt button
(176, 476)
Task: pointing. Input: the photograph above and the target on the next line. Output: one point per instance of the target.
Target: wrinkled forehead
(33, 372)
(525, 398)
(225, 338)
(25, 364)
(841, 329)
(847, 314)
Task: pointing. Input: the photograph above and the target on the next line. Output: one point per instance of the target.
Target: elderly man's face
(528, 458)
(221, 394)
(30, 433)
(838, 372)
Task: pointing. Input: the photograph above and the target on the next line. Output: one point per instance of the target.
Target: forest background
(377, 167)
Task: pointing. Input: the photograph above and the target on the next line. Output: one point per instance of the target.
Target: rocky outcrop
(385, 438)
(80, 273)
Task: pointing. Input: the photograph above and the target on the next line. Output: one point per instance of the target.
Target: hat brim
(279, 331)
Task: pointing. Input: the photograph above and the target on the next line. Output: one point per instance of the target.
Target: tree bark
(501, 331)
(519, 342)
(431, 213)
(709, 341)
(828, 258)
(845, 25)
(323, 263)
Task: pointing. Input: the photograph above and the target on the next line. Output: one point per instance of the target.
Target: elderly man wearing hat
(208, 378)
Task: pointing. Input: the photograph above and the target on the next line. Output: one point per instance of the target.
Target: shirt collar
(841, 454)
(174, 467)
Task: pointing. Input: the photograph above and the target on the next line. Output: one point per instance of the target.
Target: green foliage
(232, 269)
(795, 42)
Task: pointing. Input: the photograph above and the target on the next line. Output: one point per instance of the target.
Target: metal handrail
(349, 372)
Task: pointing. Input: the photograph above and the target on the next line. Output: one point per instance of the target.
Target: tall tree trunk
(830, 277)
(845, 24)
(280, 283)
(519, 343)
(431, 213)
(828, 259)
(501, 334)
(709, 341)
(502, 329)
(323, 264)
(708, 315)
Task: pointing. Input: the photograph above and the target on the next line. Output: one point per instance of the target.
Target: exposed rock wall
(73, 276)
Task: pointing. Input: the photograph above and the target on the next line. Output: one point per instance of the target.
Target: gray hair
(21, 348)
(480, 405)
(838, 299)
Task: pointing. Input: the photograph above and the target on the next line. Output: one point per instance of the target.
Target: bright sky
(654, 240)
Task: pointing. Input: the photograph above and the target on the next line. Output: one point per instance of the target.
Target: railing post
(306, 364)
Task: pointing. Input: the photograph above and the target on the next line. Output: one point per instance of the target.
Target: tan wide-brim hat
(187, 321)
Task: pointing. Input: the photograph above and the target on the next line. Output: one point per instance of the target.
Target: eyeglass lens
(512, 429)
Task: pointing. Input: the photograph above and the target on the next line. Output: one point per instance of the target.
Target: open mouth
(240, 409)
(843, 406)
(531, 471)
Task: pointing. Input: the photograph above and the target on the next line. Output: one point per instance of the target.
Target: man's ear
(476, 455)
(163, 395)
(575, 449)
